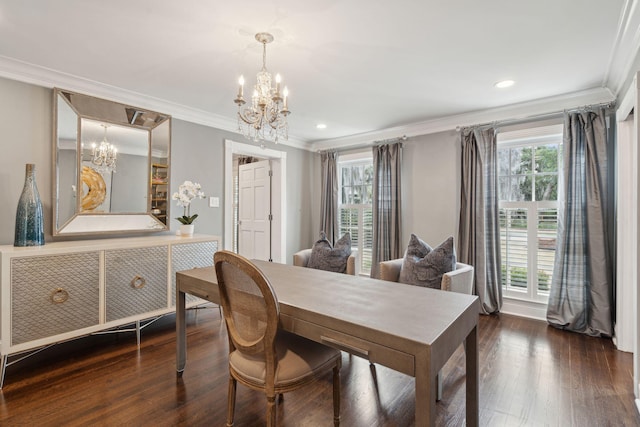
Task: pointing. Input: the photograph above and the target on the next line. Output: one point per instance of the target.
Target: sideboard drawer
(51, 295)
(188, 256)
(136, 281)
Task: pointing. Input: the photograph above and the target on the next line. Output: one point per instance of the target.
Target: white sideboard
(65, 290)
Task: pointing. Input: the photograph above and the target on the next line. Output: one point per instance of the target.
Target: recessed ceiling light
(321, 126)
(504, 83)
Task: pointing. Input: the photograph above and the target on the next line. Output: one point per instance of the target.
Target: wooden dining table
(410, 329)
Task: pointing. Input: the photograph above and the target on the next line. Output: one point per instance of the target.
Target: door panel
(254, 234)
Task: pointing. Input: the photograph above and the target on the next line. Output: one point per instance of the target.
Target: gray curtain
(329, 196)
(387, 230)
(581, 291)
(479, 229)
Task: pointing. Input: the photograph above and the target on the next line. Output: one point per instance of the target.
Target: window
(355, 180)
(528, 181)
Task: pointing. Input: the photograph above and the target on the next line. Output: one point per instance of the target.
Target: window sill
(524, 308)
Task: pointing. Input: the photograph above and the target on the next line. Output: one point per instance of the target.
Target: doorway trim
(232, 147)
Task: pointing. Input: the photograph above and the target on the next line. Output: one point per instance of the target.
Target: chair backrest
(249, 305)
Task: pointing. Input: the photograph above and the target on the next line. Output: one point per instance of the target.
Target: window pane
(357, 194)
(344, 199)
(521, 160)
(504, 189)
(368, 195)
(346, 176)
(363, 195)
(356, 175)
(503, 162)
(546, 187)
(368, 174)
(520, 189)
(547, 158)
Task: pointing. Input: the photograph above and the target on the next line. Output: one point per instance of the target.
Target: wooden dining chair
(261, 355)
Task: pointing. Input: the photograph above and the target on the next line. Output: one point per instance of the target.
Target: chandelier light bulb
(240, 87)
(285, 93)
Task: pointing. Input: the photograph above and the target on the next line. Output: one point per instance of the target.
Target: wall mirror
(111, 167)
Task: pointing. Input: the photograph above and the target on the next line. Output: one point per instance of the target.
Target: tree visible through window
(528, 201)
(356, 214)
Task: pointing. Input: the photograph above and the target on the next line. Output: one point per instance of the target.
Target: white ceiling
(359, 66)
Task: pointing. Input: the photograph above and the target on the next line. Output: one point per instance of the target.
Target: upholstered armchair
(301, 259)
(459, 280)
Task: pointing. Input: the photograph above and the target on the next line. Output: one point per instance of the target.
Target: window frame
(349, 160)
(533, 137)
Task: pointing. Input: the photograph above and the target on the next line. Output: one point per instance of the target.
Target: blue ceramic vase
(29, 217)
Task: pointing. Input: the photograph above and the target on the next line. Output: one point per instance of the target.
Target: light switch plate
(214, 202)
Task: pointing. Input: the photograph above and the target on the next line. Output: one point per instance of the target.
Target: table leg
(425, 394)
(471, 352)
(181, 331)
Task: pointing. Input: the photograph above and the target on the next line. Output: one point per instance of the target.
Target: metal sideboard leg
(3, 368)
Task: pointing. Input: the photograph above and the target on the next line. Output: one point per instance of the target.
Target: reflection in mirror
(121, 187)
(112, 166)
(66, 149)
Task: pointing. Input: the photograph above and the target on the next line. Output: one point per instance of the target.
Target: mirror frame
(110, 113)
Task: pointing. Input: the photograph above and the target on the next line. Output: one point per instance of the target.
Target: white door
(254, 203)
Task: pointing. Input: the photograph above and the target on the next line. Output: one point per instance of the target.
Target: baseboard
(531, 310)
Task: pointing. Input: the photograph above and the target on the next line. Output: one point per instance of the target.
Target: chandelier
(268, 109)
(104, 155)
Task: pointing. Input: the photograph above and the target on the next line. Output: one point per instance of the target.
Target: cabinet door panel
(54, 294)
(136, 281)
(187, 256)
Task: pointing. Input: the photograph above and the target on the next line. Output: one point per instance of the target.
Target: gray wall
(129, 189)
(197, 154)
(25, 137)
(430, 188)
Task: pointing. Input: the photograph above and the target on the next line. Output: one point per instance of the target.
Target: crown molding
(625, 52)
(25, 72)
(29, 73)
(520, 111)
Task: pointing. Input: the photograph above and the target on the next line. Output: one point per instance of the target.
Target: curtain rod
(518, 120)
(367, 144)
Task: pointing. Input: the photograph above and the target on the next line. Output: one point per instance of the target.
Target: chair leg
(336, 395)
(271, 411)
(231, 403)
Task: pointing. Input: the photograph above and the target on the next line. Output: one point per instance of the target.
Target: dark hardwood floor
(530, 375)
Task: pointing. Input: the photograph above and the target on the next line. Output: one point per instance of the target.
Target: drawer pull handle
(59, 296)
(345, 347)
(138, 282)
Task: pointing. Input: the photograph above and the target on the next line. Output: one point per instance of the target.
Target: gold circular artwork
(96, 189)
